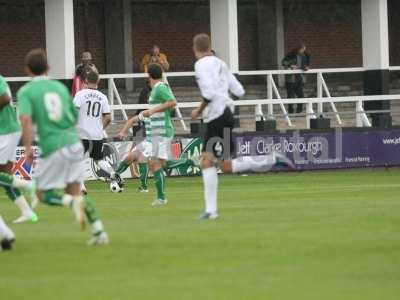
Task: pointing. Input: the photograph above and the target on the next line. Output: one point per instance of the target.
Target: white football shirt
(215, 81)
(92, 104)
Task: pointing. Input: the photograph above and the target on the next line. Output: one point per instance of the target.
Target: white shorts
(159, 147)
(145, 147)
(8, 145)
(60, 168)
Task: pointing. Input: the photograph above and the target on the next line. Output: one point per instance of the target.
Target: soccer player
(141, 155)
(216, 81)
(159, 129)
(10, 135)
(7, 237)
(94, 117)
(47, 104)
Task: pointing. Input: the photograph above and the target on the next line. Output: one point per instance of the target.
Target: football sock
(123, 166)
(5, 231)
(261, 163)
(160, 184)
(106, 167)
(83, 186)
(173, 164)
(57, 198)
(23, 206)
(12, 192)
(97, 227)
(144, 174)
(210, 181)
(7, 180)
(15, 194)
(90, 210)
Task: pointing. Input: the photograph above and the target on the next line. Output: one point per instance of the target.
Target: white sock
(106, 167)
(5, 231)
(97, 227)
(83, 187)
(210, 180)
(23, 206)
(20, 183)
(260, 163)
(67, 200)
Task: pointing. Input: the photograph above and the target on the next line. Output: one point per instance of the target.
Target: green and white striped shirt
(160, 124)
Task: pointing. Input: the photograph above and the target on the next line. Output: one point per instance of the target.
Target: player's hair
(92, 76)
(36, 61)
(155, 71)
(202, 42)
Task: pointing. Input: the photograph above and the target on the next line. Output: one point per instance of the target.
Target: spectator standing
(297, 59)
(155, 57)
(81, 71)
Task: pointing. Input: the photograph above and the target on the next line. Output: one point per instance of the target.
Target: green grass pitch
(312, 235)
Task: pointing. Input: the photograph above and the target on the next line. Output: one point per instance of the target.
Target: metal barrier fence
(273, 95)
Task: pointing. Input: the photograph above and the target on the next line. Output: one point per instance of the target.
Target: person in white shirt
(94, 117)
(216, 81)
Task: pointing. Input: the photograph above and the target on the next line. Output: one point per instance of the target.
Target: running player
(47, 104)
(215, 81)
(159, 130)
(94, 117)
(10, 135)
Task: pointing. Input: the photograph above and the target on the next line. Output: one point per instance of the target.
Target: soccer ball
(114, 187)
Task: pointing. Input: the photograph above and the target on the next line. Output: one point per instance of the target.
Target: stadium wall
(172, 24)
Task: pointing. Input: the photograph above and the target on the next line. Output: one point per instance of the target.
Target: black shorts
(218, 136)
(95, 149)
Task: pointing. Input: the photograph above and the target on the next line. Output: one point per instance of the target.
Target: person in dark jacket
(297, 59)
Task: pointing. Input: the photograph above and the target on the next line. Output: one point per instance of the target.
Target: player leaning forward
(159, 131)
(47, 104)
(215, 81)
(10, 135)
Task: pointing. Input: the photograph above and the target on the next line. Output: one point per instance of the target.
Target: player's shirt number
(52, 101)
(93, 109)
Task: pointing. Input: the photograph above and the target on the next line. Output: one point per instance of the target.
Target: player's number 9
(52, 102)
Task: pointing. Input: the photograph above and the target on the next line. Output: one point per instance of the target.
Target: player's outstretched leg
(106, 167)
(55, 197)
(182, 162)
(7, 237)
(261, 163)
(83, 208)
(12, 187)
(130, 158)
(156, 166)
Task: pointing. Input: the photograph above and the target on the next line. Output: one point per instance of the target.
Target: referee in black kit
(215, 81)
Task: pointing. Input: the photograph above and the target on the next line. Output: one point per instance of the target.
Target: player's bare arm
(106, 120)
(198, 111)
(26, 124)
(160, 108)
(124, 131)
(4, 101)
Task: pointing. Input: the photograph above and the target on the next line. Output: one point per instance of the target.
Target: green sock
(122, 167)
(53, 197)
(144, 174)
(12, 193)
(173, 164)
(90, 210)
(6, 180)
(160, 184)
